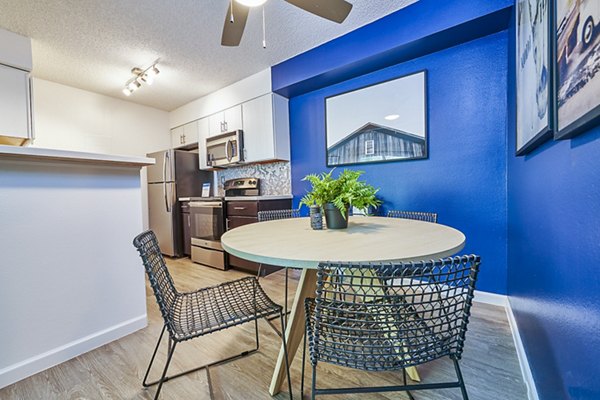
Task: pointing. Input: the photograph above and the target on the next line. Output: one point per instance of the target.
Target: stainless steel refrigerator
(176, 174)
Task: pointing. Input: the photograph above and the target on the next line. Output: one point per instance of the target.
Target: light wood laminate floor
(114, 371)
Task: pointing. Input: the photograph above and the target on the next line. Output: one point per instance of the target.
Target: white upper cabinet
(266, 129)
(15, 105)
(16, 122)
(203, 133)
(184, 135)
(225, 121)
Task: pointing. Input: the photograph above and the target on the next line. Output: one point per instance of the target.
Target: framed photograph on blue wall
(533, 74)
(577, 66)
(378, 123)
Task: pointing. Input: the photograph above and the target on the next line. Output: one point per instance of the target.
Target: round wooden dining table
(292, 243)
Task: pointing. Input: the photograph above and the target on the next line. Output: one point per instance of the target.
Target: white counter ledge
(41, 154)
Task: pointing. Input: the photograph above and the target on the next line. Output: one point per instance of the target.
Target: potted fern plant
(337, 195)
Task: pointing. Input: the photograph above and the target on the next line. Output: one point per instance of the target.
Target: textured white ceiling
(93, 45)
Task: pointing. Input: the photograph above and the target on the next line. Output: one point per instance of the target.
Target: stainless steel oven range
(207, 226)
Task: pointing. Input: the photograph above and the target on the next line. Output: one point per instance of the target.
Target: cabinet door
(190, 133)
(177, 137)
(203, 133)
(233, 118)
(216, 124)
(14, 103)
(258, 129)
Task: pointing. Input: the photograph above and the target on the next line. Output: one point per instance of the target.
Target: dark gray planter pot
(334, 218)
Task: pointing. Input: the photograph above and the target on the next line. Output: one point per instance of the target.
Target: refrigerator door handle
(165, 158)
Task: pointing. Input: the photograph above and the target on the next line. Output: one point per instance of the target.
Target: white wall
(67, 118)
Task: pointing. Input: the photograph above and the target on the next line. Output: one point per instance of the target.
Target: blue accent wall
(464, 179)
(553, 259)
(553, 264)
(535, 220)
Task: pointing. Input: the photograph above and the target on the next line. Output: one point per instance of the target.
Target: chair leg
(144, 384)
(314, 382)
(164, 374)
(287, 362)
(303, 364)
(463, 389)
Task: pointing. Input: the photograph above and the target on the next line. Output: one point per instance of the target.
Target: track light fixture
(141, 76)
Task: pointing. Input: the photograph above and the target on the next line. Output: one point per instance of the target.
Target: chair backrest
(277, 214)
(158, 274)
(418, 215)
(393, 315)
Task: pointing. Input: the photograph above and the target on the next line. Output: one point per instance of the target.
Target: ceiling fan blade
(333, 10)
(233, 31)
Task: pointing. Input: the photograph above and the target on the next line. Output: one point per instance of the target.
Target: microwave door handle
(227, 156)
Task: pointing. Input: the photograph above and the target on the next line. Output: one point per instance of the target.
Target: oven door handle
(206, 204)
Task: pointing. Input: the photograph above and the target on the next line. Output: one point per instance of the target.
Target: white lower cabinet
(266, 129)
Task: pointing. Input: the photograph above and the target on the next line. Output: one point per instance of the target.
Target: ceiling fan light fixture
(251, 3)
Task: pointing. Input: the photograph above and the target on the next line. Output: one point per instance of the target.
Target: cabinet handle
(183, 138)
(239, 208)
(227, 224)
(226, 127)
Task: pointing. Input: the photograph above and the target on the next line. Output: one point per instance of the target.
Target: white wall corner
(33, 365)
(502, 301)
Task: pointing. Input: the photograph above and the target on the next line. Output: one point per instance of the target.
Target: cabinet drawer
(242, 208)
(235, 221)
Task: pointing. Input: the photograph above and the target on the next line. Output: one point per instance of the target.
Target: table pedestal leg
(295, 327)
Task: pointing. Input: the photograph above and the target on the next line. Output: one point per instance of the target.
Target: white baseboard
(532, 393)
(502, 301)
(491, 298)
(33, 365)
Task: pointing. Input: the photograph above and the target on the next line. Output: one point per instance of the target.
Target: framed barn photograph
(379, 123)
(533, 74)
(578, 66)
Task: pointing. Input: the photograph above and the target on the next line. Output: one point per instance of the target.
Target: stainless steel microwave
(225, 149)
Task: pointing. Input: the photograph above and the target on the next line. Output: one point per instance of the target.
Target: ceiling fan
(237, 14)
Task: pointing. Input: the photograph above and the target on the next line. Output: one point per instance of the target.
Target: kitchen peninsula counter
(52, 155)
(71, 279)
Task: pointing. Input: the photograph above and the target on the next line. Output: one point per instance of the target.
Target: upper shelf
(49, 155)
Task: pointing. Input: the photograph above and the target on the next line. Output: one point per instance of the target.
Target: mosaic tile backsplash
(275, 178)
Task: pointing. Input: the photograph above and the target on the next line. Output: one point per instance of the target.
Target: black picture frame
(425, 153)
(545, 29)
(566, 42)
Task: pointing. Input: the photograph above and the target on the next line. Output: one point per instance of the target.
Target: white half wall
(67, 118)
(70, 278)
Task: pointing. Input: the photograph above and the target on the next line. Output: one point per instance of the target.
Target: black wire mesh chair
(387, 317)
(420, 216)
(273, 215)
(207, 310)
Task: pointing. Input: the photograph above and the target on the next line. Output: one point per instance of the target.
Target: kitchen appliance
(175, 174)
(242, 187)
(207, 226)
(225, 149)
